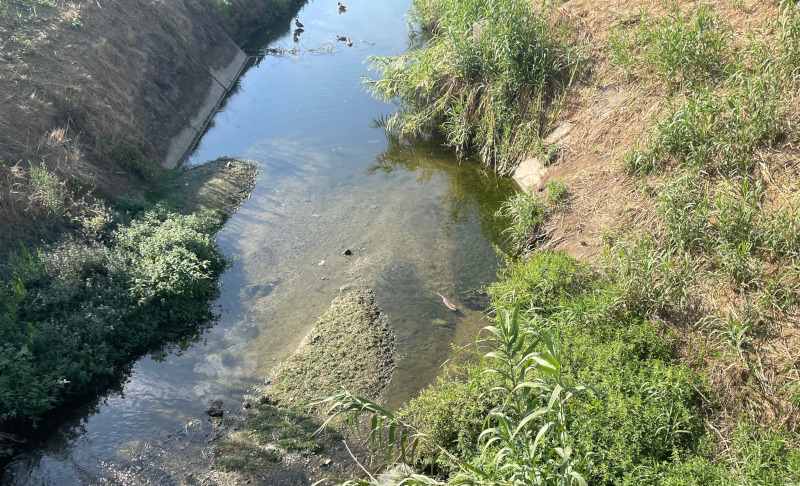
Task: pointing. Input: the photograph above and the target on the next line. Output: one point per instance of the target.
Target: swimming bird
(341, 38)
(298, 24)
(450, 305)
(342, 8)
(349, 42)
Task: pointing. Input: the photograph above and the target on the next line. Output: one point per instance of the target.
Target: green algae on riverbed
(222, 184)
(352, 347)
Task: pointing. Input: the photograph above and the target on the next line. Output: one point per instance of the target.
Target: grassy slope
(679, 164)
(96, 92)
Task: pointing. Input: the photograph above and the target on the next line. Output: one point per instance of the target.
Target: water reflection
(471, 187)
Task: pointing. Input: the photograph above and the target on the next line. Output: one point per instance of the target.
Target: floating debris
(368, 43)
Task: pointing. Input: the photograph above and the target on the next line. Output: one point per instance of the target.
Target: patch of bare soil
(222, 184)
(275, 443)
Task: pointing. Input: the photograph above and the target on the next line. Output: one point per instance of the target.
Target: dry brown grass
(98, 91)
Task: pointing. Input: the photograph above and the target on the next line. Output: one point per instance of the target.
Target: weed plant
(74, 312)
(526, 213)
(525, 438)
(557, 194)
(490, 77)
(720, 255)
(679, 51)
(645, 424)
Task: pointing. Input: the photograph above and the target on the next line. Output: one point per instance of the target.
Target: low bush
(75, 312)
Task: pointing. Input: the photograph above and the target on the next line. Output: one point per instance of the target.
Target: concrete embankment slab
(219, 82)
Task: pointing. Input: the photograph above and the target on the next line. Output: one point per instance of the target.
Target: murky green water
(416, 220)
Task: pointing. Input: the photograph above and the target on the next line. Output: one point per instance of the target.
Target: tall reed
(490, 77)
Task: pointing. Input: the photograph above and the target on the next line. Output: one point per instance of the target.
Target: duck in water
(298, 24)
(342, 8)
(349, 42)
(341, 38)
(447, 302)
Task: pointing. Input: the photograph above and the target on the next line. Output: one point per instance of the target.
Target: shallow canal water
(416, 221)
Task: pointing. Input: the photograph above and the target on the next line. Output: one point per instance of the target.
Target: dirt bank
(351, 346)
(105, 93)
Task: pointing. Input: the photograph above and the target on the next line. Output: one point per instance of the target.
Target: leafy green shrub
(76, 312)
(451, 413)
(542, 282)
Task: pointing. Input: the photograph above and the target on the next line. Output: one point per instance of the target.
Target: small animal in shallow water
(342, 8)
(298, 24)
(368, 43)
(341, 38)
(450, 305)
(349, 42)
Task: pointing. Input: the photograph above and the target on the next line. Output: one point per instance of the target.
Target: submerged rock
(214, 410)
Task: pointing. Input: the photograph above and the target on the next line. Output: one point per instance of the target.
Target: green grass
(526, 214)
(720, 132)
(643, 426)
(490, 78)
(714, 234)
(720, 259)
(677, 49)
(522, 411)
(557, 194)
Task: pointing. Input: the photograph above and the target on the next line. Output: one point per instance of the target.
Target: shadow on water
(471, 186)
(457, 259)
(65, 424)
